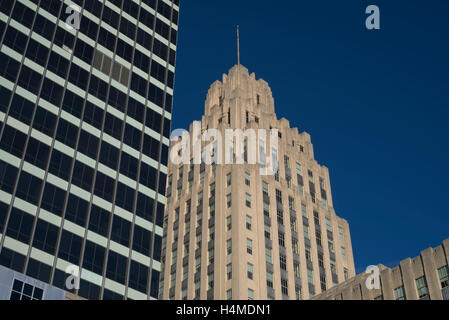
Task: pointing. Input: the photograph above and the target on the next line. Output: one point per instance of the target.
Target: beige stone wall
(405, 274)
(239, 93)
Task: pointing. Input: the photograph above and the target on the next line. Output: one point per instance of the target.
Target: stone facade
(231, 233)
(425, 277)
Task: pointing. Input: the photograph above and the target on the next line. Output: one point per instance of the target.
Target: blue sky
(375, 102)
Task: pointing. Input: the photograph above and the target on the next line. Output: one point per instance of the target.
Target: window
(211, 256)
(306, 232)
(229, 271)
(250, 271)
(229, 246)
(296, 269)
(247, 179)
(328, 225)
(343, 253)
(298, 292)
(423, 290)
(310, 276)
(229, 223)
(304, 210)
(267, 231)
(308, 254)
(229, 294)
(268, 255)
(248, 222)
(340, 232)
(278, 195)
(248, 200)
(197, 264)
(281, 238)
(399, 293)
(291, 203)
(295, 246)
(284, 287)
(443, 273)
(381, 297)
(249, 246)
(280, 216)
(266, 209)
(346, 272)
(228, 179)
(265, 187)
(283, 261)
(250, 294)
(269, 280)
(210, 281)
(229, 200)
(24, 291)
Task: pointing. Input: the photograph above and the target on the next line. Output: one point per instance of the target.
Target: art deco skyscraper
(232, 233)
(84, 126)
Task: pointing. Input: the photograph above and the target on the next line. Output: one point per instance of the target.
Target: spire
(238, 46)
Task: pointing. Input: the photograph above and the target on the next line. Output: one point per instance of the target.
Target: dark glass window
(23, 14)
(89, 290)
(45, 236)
(88, 144)
(73, 103)
(37, 52)
(58, 64)
(150, 147)
(94, 257)
(60, 164)
(21, 109)
(99, 220)
(104, 186)
(113, 126)
(138, 276)
(53, 199)
(153, 120)
(93, 115)
(51, 91)
(38, 270)
(157, 247)
(109, 155)
(144, 208)
(12, 259)
(5, 95)
(29, 187)
(20, 225)
(121, 230)
(44, 121)
(30, 80)
(82, 175)
(84, 51)
(124, 197)
(44, 26)
(79, 77)
(16, 40)
(13, 141)
(154, 283)
(37, 153)
(147, 175)
(8, 175)
(76, 210)
(128, 166)
(70, 247)
(142, 240)
(132, 136)
(116, 269)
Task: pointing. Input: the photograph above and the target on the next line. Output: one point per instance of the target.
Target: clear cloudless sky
(375, 102)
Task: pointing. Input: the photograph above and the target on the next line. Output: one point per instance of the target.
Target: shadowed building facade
(84, 125)
(232, 233)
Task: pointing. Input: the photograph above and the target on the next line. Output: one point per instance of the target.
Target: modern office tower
(85, 118)
(425, 277)
(232, 233)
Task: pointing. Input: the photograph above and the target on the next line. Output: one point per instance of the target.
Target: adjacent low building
(425, 277)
